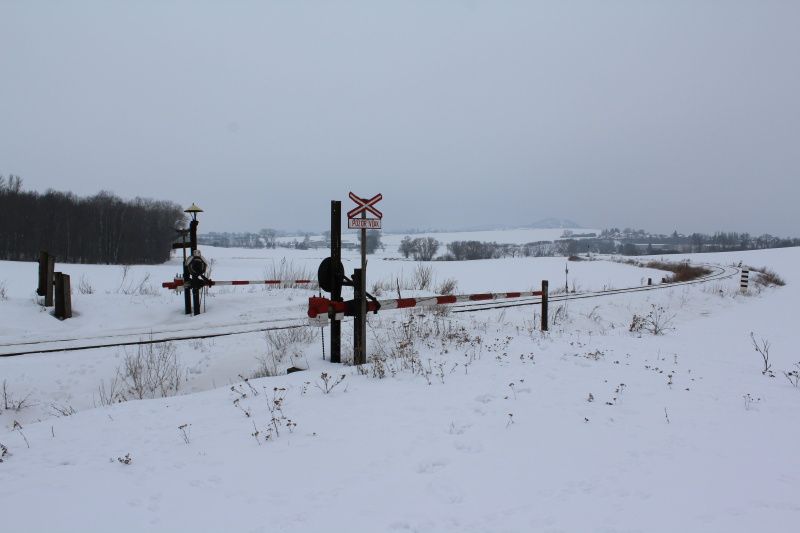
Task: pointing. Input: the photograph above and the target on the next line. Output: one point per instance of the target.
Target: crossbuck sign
(363, 207)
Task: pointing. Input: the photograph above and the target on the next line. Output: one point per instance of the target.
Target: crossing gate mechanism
(196, 264)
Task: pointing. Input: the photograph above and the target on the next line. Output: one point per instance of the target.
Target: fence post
(63, 296)
(40, 289)
(48, 281)
(545, 297)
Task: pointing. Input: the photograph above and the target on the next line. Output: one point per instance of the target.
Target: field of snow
(463, 422)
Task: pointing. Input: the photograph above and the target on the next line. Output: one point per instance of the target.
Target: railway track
(719, 273)
(205, 332)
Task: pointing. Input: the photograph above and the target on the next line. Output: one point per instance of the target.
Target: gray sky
(664, 115)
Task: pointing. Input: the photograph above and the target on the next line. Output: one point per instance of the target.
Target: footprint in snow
(485, 398)
(430, 467)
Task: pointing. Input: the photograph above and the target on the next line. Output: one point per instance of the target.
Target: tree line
(610, 241)
(97, 229)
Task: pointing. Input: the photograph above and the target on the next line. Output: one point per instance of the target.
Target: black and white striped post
(745, 280)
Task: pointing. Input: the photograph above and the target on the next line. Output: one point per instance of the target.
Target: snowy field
(473, 422)
(508, 236)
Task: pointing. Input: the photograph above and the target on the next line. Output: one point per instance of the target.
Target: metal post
(358, 317)
(187, 296)
(361, 302)
(336, 293)
(545, 297)
(194, 282)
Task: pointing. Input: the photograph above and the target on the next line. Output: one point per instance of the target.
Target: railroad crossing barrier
(178, 284)
(321, 310)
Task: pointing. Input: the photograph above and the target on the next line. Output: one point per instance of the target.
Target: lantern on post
(195, 280)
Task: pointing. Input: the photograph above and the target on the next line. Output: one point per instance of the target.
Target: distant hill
(545, 223)
(554, 223)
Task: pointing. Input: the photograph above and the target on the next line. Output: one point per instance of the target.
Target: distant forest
(97, 229)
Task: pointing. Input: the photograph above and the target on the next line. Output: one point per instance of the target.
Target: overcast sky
(662, 115)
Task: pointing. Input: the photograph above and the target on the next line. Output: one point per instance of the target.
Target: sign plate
(364, 223)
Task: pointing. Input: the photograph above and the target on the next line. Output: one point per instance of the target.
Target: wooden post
(336, 292)
(545, 297)
(48, 281)
(40, 289)
(63, 296)
(649, 281)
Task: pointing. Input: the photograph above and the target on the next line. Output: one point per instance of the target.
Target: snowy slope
(481, 423)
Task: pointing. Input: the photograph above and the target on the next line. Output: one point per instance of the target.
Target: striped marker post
(745, 280)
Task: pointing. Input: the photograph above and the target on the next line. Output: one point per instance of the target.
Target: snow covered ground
(465, 422)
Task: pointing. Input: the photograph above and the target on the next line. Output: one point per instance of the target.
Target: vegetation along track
(34, 347)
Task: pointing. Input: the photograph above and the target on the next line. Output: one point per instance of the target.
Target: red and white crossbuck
(364, 206)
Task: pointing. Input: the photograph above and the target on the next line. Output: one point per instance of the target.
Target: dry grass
(680, 271)
(767, 277)
(153, 371)
(283, 347)
(287, 271)
(423, 277)
(447, 287)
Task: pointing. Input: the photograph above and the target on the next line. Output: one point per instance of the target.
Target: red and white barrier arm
(178, 284)
(323, 307)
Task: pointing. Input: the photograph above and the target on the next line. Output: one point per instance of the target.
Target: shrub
(768, 278)
(423, 277)
(469, 250)
(84, 287)
(280, 344)
(421, 249)
(762, 347)
(152, 372)
(657, 321)
(12, 403)
(680, 271)
(288, 271)
(447, 287)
